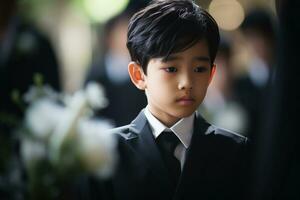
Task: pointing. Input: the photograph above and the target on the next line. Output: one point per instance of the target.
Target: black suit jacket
(215, 166)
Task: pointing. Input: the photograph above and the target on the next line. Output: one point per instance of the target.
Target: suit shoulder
(122, 131)
(238, 138)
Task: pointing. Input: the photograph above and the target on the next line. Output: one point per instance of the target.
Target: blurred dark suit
(24, 53)
(125, 100)
(259, 30)
(253, 99)
(110, 70)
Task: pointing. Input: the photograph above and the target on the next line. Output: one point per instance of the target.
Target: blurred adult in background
(277, 154)
(259, 31)
(24, 54)
(110, 70)
(219, 106)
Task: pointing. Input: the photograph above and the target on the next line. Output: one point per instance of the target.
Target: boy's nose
(185, 83)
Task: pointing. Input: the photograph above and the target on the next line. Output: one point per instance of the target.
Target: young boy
(173, 44)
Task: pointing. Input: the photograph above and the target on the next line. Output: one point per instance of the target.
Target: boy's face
(176, 86)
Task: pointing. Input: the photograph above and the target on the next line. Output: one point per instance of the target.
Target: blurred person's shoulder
(227, 134)
(219, 132)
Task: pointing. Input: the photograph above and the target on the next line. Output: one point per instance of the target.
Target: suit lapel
(146, 148)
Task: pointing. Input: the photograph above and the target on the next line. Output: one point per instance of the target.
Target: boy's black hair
(170, 26)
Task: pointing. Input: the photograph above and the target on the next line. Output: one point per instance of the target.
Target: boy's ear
(137, 76)
(212, 72)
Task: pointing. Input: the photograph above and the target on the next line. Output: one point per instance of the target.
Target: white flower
(97, 148)
(95, 95)
(32, 151)
(42, 117)
(66, 128)
(65, 135)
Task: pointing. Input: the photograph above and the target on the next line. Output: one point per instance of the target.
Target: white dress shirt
(183, 129)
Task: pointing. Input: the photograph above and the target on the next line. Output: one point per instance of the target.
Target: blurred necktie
(167, 142)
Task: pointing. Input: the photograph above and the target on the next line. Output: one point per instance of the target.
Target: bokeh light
(229, 14)
(102, 10)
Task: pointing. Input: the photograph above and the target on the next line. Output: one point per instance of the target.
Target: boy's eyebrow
(173, 57)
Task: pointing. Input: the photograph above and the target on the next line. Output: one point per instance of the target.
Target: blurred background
(86, 36)
(76, 27)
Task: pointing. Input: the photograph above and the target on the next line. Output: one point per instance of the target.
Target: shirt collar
(183, 129)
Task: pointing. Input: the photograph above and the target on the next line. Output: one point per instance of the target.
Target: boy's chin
(185, 113)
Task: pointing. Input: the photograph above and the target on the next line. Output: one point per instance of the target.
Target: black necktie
(167, 141)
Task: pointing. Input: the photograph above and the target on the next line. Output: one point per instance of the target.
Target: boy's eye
(170, 69)
(200, 69)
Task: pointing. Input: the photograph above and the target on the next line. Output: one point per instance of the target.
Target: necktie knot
(168, 141)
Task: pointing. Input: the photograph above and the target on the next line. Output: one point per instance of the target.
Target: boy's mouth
(186, 100)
